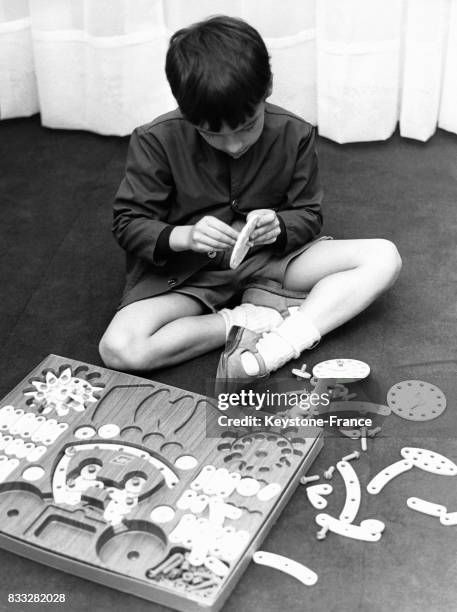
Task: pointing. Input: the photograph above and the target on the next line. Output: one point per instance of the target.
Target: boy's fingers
(264, 216)
(223, 227)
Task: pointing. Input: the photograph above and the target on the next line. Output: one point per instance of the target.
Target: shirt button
(235, 203)
(212, 254)
(172, 282)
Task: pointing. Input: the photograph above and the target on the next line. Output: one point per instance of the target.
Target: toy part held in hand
(242, 245)
(137, 475)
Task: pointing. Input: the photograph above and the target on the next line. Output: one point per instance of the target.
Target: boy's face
(235, 142)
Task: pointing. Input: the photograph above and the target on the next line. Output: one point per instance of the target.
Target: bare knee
(383, 256)
(123, 351)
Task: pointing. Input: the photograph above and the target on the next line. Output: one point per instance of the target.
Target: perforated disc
(416, 400)
(345, 369)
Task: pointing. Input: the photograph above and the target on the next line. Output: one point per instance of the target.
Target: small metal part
(328, 474)
(354, 455)
(305, 479)
(302, 573)
(363, 438)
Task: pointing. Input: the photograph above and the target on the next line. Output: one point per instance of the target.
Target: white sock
(256, 318)
(284, 343)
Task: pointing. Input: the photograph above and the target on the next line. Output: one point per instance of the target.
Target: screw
(329, 473)
(353, 455)
(305, 479)
(322, 533)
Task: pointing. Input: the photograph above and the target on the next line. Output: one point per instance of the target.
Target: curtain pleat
(354, 68)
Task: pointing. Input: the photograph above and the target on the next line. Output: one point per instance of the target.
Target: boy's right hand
(211, 234)
(208, 234)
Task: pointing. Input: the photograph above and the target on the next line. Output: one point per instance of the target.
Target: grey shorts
(216, 285)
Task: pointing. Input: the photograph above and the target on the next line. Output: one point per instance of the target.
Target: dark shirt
(174, 177)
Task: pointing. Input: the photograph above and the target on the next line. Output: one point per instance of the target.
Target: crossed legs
(343, 276)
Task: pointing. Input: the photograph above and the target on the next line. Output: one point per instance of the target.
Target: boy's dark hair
(219, 71)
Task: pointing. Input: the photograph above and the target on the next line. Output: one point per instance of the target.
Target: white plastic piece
(218, 482)
(344, 369)
(429, 461)
(449, 519)
(23, 425)
(186, 462)
(247, 487)
(162, 514)
(354, 455)
(271, 490)
(32, 473)
(301, 373)
(363, 438)
(315, 494)
(217, 511)
(186, 499)
(232, 512)
(328, 474)
(183, 529)
(109, 430)
(53, 432)
(416, 400)
(7, 466)
(302, 573)
(306, 479)
(36, 453)
(14, 447)
(7, 416)
(199, 504)
(353, 492)
(426, 507)
(203, 477)
(357, 532)
(85, 432)
(377, 483)
(216, 566)
(242, 247)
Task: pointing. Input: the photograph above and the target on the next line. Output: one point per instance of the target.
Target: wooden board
(98, 469)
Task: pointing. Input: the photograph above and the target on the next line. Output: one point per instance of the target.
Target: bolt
(329, 473)
(353, 455)
(305, 479)
(322, 533)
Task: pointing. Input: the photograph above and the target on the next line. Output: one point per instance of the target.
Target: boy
(192, 178)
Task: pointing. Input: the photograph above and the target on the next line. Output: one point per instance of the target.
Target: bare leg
(160, 331)
(344, 276)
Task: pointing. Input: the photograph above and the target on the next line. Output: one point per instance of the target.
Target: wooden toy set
(133, 484)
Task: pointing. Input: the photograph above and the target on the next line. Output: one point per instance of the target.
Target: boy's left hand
(267, 229)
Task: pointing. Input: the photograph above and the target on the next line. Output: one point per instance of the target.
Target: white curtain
(353, 67)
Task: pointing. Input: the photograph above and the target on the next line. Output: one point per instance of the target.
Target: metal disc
(416, 400)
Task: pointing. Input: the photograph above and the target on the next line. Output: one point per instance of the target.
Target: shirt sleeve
(301, 214)
(142, 202)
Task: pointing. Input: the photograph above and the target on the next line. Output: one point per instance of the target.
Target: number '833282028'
(36, 598)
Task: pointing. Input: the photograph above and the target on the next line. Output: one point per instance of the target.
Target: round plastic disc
(345, 369)
(162, 514)
(416, 400)
(248, 487)
(34, 472)
(110, 430)
(186, 462)
(84, 432)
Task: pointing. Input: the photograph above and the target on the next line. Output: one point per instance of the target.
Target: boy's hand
(211, 234)
(267, 228)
